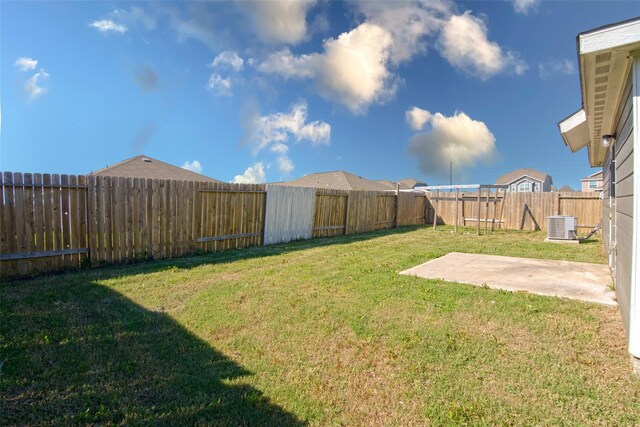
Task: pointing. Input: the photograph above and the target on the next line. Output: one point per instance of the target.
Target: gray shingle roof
(410, 183)
(337, 180)
(147, 167)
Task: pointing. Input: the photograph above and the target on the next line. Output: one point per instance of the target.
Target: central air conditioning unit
(562, 227)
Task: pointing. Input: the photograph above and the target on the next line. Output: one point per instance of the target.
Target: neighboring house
(147, 167)
(411, 183)
(526, 180)
(593, 182)
(566, 189)
(338, 180)
(607, 124)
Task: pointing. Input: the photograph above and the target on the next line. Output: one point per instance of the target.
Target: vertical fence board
(148, 224)
(82, 218)
(155, 218)
(39, 230)
(9, 233)
(57, 220)
(29, 222)
(92, 218)
(64, 216)
(108, 192)
(74, 223)
(19, 213)
(195, 211)
(136, 219)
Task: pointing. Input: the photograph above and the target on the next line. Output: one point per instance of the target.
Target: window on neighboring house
(593, 185)
(524, 186)
(513, 187)
(537, 186)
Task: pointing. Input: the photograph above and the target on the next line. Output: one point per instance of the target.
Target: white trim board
(634, 300)
(610, 37)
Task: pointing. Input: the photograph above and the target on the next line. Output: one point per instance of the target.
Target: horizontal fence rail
(52, 222)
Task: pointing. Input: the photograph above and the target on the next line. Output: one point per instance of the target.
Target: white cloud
(135, 15)
(417, 117)
(357, 68)
(279, 148)
(352, 70)
(277, 129)
(525, 6)
(228, 59)
(409, 23)
(287, 65)
(106, 26)
(547, 69)
(280, 21)
(194, 166)
(285, 165)
(464, 43)
(219, 86)
(33, 85)
(252, 175)
(458, 139)
(26, 64)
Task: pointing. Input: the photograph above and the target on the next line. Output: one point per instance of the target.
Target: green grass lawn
(321, 332)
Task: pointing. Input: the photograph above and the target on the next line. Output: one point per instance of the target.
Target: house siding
(623, 206)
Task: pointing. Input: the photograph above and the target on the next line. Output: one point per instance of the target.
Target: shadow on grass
(79, 353)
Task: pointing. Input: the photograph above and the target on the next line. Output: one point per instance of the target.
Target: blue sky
(274, 90)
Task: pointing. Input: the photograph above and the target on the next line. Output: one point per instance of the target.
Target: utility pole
(450, 175)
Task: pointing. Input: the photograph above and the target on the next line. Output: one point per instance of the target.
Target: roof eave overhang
(604, 57)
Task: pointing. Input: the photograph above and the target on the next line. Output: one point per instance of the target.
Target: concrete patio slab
(573, 280)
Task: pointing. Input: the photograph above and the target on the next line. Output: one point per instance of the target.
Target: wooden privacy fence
(348, 212)
(56, 222)
(134, 219)
(514, 211)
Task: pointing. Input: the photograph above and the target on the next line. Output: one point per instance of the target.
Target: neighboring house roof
(566, 188)
(404, 184)
(337, 180)
(596, 176)
(390, 185)
(147, 167)
(510, 177)
(410, 183)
